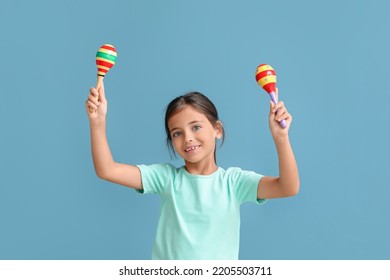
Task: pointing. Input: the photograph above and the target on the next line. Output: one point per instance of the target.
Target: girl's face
(193, 136)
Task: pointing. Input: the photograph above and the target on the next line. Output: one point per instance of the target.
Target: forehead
(185, 116)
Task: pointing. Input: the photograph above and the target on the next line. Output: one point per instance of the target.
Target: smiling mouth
(192, 148)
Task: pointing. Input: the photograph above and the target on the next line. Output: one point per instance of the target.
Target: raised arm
(105, 166)
(287, 184)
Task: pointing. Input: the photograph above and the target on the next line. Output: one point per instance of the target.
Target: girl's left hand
(277, 113)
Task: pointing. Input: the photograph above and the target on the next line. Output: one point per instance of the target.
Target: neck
(201, 169)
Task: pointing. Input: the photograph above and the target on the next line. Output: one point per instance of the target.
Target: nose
(188, 137)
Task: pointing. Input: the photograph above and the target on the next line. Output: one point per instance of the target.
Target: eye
(196, 127)
(176, 134)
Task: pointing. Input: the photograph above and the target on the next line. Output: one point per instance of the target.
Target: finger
(90, 105)
(94, 91)
(283, 116)
(279, 106)
(93, 96)
(272, 109)
(94, 99)
(280, 112)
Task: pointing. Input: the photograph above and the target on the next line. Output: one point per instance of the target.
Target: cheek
(175, 143)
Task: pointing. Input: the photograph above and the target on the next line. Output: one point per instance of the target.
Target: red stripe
(271, 87)
(102, 70)
(262, 74)
(108, 48)
(104, 63)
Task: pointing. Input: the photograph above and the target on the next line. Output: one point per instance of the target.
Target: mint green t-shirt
(200, 214)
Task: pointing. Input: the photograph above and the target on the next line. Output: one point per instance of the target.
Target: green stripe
(106, 56)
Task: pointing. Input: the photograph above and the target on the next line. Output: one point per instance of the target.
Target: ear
(219, 129)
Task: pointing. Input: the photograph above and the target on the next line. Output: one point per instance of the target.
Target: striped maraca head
(266, 77)
(105, 59)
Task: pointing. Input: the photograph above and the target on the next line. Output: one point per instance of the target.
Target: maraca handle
(275, 100)
(99, 81)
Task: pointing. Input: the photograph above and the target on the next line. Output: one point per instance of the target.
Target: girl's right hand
(96, 105)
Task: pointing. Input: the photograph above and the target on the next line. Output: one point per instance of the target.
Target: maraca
(266, 78)
(105, 59)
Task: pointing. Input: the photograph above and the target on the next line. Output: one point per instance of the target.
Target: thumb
(271, 107)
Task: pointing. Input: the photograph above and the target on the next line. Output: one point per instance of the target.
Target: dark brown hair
(200, 103)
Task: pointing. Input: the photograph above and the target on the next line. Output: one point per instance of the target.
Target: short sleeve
(156, 177)
(245, 185)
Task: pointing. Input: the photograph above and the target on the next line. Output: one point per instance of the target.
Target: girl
(200, 202)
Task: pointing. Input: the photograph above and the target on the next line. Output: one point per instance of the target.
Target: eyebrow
(175, 128)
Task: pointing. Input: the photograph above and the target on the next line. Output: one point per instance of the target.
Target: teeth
(191, 149)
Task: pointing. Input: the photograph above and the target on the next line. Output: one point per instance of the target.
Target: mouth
(191, 148)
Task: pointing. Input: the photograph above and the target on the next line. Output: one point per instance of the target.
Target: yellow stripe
(104, 67)
(106, 60)
(267, 80)
(263, 68)
(107, 51)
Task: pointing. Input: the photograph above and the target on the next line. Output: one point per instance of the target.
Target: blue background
(332, 60)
